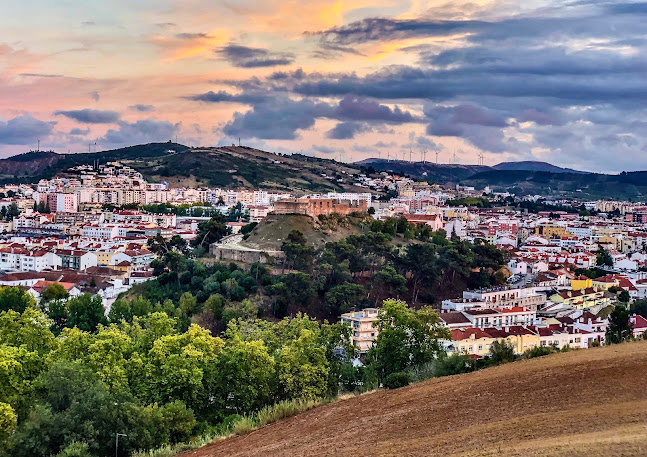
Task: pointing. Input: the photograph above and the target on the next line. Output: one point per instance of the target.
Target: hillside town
(91, 231)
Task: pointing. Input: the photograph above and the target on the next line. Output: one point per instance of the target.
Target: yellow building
(583, 298)
(105, 257)
(475, 341)
(552, 231)
(605, 283)
(361, 323)
(469, 340)
(519, 337)
(581, 282)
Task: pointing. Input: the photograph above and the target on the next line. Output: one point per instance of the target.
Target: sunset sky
(557, 81)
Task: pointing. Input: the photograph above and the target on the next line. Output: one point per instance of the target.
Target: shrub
(75, 449)
(452, 364)
(538, 351)
(501, 352)
(396, 380)
(285, 409)
(243, 425)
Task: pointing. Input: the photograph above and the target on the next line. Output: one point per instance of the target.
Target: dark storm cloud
(24, 129)
(568, 76)
(466, 114)
(628, 8)
(191, 36)
(140, 132)
(248, 57)
(383, 29)
(592, 19)
(370, 110)
(142, 108)
(324, 149)
(248, 98)
(91, 116)
(346, 130)
(539, 117)
(79, 132)
(278, 119)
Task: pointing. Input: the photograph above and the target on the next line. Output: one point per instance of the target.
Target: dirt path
(582, 403)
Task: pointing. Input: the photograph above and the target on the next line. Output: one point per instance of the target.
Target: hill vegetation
(179, 165)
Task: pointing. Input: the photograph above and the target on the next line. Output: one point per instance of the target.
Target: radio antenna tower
(481, 156)
(410, 153)
(437, 152)
(454, 156)
(38, 146)
(388, 156)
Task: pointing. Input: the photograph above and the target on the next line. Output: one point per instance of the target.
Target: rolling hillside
(34, 165)
(531, 165)
(581, 403)
(244, 167)
(525, 178)
(440, 173)
(230, 166)
(630, 186)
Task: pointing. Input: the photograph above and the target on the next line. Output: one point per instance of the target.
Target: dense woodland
(204, 345)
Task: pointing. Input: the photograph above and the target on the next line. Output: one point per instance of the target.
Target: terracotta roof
(454, 318)
(459, 334)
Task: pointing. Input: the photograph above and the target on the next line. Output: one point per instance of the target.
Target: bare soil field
(582, 403)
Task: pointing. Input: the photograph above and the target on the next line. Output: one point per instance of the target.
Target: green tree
(75, 449)
(29, 330)
(603, 258)
(406, 338)
(297, 253)
(211, 231)
(54, 291)
(15, 298)
(302, 368)
(8, 423)
(246, 376)
(639, 307)
(86, 312)
(624, 297)
(188, 303)
(387, 282)
(178, 243)
(501, 351)
(619, 328)
(344, 297)
(421, 261)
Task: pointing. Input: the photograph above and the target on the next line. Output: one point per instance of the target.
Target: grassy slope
(244, 167)
(581, 403)
(273, 230)
(441, 173)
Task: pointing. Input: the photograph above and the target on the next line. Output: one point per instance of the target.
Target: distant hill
(529, 165)
(581, 403)
(441, 173)
(630, 186)
(179, 165)
(524, 178)
(34, 165)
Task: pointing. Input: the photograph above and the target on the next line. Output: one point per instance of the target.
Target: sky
(557, 81)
